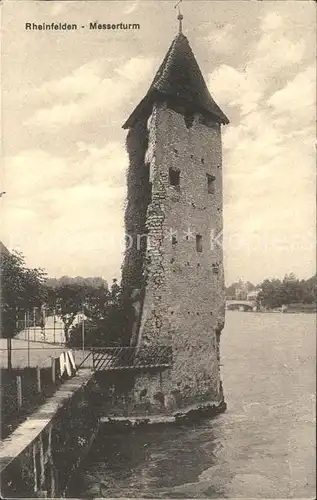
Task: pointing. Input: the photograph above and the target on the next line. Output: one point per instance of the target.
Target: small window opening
(192, 157)
(211, 183)
(174, 176)
(175, 151)
(202, 160)
(150, 192)
(174, 240)
(189, 119)
(159, 396)
(143, 393)
(215, 268)
(199, 243)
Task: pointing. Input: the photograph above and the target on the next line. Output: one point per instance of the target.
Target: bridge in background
(240, 305)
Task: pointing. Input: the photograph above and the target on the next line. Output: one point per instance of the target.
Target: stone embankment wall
(38, 458)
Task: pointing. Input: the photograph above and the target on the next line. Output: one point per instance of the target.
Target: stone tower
(173, 268)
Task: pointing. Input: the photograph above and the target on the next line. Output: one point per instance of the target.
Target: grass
(11, 414)
(24, 363)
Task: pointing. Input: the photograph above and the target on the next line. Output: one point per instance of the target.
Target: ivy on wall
(138, 199)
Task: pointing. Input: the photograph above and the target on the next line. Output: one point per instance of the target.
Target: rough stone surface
(195, 414)
(37, 459)
(183, 288)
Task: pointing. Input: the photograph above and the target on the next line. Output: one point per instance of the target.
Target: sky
(66, 94)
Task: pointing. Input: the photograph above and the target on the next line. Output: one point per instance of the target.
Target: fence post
(54, 326)
(38, 379)
(28, 323)
(83, 331)
(53, 370)
(19, 391)
(34, 324)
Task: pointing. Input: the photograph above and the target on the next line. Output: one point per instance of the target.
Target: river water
(263, 446)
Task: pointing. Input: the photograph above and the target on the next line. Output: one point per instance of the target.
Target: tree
(310, 290)
(293, 290)
(68, 300)
(231, 291)
(105, 323)
(271, 294)
(21, 289)
(90, 296)
(249, 286)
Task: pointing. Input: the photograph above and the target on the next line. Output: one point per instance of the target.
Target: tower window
(189, 119)
(199, 243)
(215, 268)
(150, 192)
(174, 176)
(211, 183)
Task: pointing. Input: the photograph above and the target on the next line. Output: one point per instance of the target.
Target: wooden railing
(130, 358)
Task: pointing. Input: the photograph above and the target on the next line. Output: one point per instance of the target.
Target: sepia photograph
(158, 285)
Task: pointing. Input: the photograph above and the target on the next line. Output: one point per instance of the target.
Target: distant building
(253, 295)
(241, 293)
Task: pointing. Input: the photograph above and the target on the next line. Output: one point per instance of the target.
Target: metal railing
(130, 358)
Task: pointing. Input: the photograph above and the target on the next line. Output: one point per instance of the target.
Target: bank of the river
(262, 447)
(39, 457)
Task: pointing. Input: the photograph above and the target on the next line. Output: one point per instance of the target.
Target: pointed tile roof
(3, 249)
(179, 77)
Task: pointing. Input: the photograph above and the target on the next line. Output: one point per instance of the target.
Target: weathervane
(180, 17)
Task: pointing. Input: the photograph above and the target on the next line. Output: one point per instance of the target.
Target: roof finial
(180, 17)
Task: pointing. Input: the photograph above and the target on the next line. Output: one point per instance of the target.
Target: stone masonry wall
(44, 451)
(184, 292)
